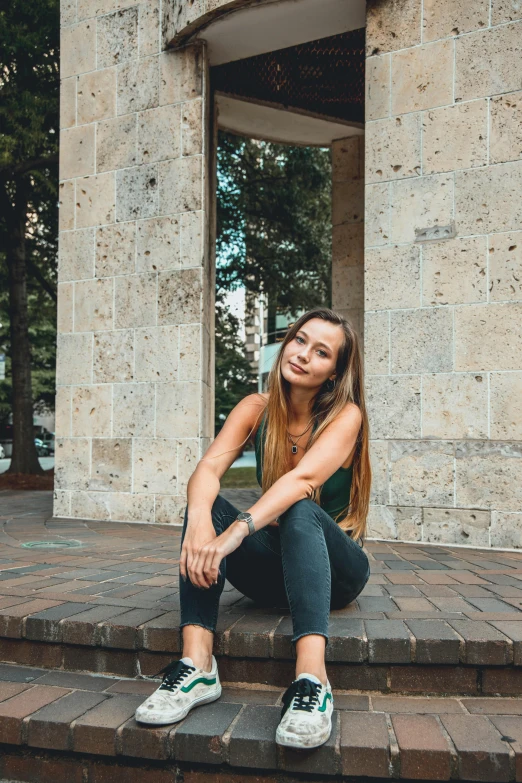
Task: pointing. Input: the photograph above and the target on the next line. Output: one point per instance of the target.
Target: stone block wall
(135, 396)
(348, 230)
(443, 321)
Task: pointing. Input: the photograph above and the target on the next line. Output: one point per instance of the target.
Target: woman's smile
(296, 367)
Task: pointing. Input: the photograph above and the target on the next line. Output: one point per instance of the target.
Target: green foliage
(29, 46)
(274, 218)
(29, 123)
(273, 236)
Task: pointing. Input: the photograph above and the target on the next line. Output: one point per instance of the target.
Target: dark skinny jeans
(307, 563)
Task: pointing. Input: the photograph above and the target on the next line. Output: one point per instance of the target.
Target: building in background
(420, 105)
(266, 325)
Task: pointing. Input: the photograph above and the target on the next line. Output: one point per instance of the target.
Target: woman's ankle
(317, 672)
(197, 645)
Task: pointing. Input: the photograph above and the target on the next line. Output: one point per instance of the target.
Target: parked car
(2, 452)
(44, 448)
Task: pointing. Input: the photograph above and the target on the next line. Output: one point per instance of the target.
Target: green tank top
(335, 493)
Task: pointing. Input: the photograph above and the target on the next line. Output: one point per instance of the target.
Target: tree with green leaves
(29, 129)
(273, 237)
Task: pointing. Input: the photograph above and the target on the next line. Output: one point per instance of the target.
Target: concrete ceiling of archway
(267, 26)
(271, 123)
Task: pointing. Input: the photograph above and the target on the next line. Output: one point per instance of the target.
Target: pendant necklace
(294, 442)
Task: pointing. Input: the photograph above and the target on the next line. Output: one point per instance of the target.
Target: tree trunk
(24, 458)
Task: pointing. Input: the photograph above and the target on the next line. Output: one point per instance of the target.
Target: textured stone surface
(74, 358)
(505, 11)
(393, 148)
(377, 342)
(456, 526)
(91, 411)
(486, 62)
(486, 199)
(506, 128)
(133, 409)
(392, 278)
(137, 192)
(446, 18)
(392, 26)
(159, 134)
(76, 255)
(420, 203)
(394, 406)
(421, 473)
(421, 341)
(111, 464)
(96, 95)
(157, 353)
(78, 49)
(72, 463)
(114, 356)
(486, 475)
(158, 244)
(77, 152)
(68, 102)
(138, 85)
(505, 266)
(455, 137)
(506, 529)
(506, 405)
(455, 271)
(480, 329)
(178, 408)
(95, 200)
(117, 37)
(455, 405)
(180, 185)
(377, 217)
(422, 77)
(93, 305)
(377, 102)
(135, 297)
(115, 249)
(179, 298)
(155, 465)
(116, 143)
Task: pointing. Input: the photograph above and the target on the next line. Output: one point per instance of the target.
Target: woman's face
(310, 358)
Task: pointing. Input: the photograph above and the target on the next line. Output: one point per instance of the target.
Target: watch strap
(246, 517)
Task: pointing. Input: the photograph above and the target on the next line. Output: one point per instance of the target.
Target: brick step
(420, 656)
(68, 727)
(432, 619)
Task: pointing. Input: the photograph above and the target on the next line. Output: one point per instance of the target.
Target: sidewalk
(426, 665)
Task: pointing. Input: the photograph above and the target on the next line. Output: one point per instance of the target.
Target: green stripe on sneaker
(322, 708)
(204, 680)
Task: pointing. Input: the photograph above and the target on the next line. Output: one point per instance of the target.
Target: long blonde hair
(326, 406)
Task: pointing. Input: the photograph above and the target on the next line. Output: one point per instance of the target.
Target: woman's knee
(302, 509)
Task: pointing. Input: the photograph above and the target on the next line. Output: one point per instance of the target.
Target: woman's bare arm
(204, 484)
(319, 463)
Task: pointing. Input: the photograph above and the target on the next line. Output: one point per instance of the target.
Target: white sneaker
(306, 716)
(184, 686)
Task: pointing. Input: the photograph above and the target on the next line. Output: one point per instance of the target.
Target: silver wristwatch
(248, 519)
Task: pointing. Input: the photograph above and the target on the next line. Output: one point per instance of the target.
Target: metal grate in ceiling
(323, 77)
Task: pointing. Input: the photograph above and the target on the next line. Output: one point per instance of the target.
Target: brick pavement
(414, 737)
(426, 665)
(115, 598)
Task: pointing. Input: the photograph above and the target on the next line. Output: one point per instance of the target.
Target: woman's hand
(204, 568)
(197, 534)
